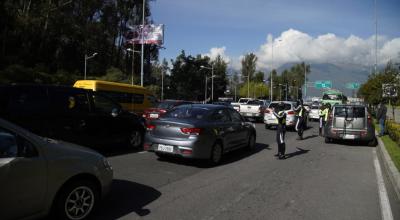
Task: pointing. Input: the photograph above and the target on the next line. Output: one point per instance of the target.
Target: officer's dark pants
(300, 126)
(280, 139)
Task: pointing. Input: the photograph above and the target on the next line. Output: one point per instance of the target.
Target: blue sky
(240, 26)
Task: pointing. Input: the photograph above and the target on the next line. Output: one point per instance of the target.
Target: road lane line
(142, 152)
(386, 211)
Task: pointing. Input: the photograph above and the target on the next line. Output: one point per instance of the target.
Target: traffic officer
(323, 117)
(280, 114)
(301, 111)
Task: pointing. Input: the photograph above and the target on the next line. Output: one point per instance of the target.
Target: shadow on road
(126, 197)
(310, 137)
(299, 151)
(353, 143)
(230, 157)
(116, 150)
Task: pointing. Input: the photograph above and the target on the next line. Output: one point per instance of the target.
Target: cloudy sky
(316, 31)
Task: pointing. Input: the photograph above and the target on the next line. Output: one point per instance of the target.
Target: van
(350, 122)
(70, 114)
(132, 98)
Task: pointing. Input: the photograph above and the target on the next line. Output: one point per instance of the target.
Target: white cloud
(294, 46)
(215, 51)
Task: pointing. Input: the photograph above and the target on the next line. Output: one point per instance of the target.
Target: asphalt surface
(316, 181)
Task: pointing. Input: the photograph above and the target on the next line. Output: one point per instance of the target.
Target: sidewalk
(389, 167)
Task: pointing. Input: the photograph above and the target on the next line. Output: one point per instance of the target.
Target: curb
(390, 168)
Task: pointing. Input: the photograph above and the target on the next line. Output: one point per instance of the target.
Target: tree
(249, 66)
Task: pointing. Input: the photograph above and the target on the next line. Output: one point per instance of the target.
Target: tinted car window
(236, 117)
(28, 100)
(187, 112)
(69, 102)
(103, 104)
(8, 144)
(350, 112)
(220, 115)
(255, 102)
(275, 105)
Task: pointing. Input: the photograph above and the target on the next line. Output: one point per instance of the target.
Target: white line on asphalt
(383, 196)
(142, 152)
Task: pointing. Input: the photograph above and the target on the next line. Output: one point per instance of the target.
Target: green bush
(393, 129)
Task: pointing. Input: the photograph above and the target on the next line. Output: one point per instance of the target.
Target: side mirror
(115, 112)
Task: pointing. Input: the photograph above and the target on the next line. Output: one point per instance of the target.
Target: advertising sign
(152, 34)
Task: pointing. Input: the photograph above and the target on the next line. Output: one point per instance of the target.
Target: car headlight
(107, 164)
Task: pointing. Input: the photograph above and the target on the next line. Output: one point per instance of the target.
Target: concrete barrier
(389, 167)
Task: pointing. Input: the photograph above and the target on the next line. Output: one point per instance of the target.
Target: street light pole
(212, 83)
(272, 68)
(205, 92)
(142, 58)
(133, 51)
(86, 59)
(212, 80)
(305, 81)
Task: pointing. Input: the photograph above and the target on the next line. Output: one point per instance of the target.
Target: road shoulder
(389, 166)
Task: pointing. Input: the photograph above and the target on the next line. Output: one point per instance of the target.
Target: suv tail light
(290, 113)
(369, 119)
(163, 111)
(150, 127)
(191, 131)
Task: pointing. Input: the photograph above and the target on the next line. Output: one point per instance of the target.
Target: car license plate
(166, 148)
(349, 136)
(153, 115)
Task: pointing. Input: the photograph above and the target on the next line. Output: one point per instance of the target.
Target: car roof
(206, 106)
(349, 105)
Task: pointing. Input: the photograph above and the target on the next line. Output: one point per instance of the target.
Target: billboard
(152, 34)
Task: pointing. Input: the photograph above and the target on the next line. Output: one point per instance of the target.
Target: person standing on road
(280, 114)
(381, 116)
(323, 117)
(301, 111)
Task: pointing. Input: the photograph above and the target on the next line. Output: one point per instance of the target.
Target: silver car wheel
(79, 203)
(216, 153)
(135, 139)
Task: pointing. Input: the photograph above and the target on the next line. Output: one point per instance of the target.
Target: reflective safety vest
(324, 113)
(301, 111)
(282, 118)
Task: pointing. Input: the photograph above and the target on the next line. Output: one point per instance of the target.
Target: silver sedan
(199, 131)
(39, 175)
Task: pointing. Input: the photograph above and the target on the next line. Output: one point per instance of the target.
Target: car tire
(328, 140)
(84, 193)
(251, 144)
(267, 127)
(373, 142)
(216, 154)
(135, 139)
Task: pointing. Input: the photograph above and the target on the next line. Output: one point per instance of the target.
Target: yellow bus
(132, 98)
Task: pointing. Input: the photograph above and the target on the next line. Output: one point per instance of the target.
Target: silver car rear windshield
(187, 112)
(350, 112)
(275, 105)
(255, 102)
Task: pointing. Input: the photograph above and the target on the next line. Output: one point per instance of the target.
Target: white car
(314, 113)
(270, 120)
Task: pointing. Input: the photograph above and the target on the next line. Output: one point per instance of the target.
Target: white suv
(270, 119)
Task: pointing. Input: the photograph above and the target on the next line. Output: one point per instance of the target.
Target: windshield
(187, 112)
(332, 97)
(243, 100)
(166, 105)
(275, 105)
(255, 102)
(350, 112)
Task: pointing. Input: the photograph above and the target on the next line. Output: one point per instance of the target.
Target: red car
(162, 108)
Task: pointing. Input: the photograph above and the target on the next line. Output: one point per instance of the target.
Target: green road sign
(323, 84)
(353, 85)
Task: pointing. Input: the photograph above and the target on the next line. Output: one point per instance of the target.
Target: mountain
(338, 74)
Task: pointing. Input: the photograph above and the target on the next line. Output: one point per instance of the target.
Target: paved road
(317, 181)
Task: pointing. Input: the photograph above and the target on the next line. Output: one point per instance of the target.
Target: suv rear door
(350, 117)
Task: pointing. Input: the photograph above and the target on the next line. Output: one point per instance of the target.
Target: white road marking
(383, 196)
(142, 152)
